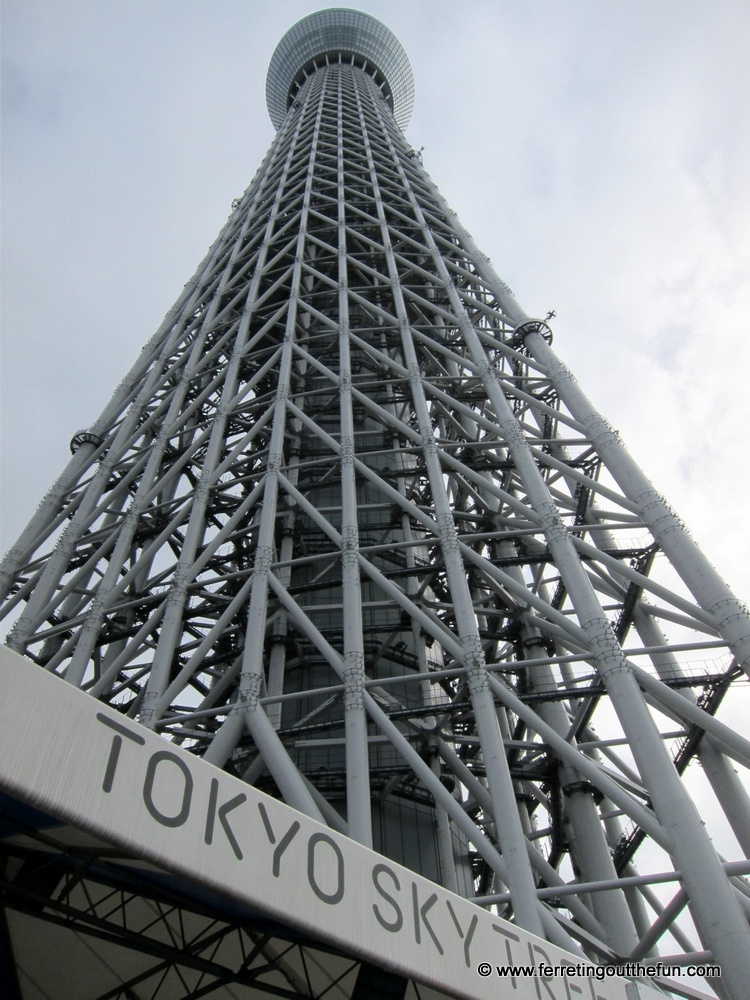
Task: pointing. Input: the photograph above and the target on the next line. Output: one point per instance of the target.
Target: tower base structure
(133, 870)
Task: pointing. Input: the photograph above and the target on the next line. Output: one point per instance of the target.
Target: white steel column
(357, 754)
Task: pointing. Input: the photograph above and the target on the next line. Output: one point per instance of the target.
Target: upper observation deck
(340, 34)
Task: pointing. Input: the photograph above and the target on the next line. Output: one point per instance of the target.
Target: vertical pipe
(357, 755)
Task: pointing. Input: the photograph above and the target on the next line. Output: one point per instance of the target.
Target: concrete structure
(350, 532)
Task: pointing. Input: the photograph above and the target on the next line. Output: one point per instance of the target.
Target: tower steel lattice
(351, 531)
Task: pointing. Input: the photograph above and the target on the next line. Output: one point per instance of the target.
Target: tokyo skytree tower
(350, 531)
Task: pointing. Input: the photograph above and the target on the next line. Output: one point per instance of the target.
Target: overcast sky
(598, 152)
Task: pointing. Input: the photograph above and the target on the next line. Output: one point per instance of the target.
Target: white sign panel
(79, 760)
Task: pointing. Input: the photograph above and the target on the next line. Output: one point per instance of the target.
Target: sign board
(81, 761)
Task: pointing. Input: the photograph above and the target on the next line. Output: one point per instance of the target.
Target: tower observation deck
(353, 558)
(340, 36)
